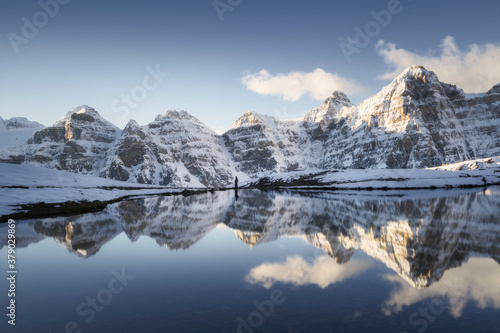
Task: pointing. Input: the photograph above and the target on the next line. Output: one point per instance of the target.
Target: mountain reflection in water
(417, 238)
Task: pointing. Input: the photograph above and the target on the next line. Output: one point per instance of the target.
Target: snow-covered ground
(464, 174)
(24, 184)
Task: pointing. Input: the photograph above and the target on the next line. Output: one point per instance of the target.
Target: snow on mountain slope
(16, 131)
(77, 142)
(175, 149)
(416, 121)
(330, 108)
(261, 144)
(479, 115)
(410, 123)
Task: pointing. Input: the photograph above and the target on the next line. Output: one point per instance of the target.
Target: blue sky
(98, 52)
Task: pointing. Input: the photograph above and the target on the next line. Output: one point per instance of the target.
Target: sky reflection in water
(334, 262)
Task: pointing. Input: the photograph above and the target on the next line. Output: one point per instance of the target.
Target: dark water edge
(72, 208)
(399, 261)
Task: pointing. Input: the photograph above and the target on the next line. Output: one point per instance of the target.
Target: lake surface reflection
(266, 262)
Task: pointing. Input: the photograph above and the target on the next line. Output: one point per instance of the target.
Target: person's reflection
(236, 188)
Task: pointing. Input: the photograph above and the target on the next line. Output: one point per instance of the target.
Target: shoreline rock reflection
(419, 239)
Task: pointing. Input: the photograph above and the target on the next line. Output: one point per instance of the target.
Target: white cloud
(323, 272)
(475, 70)
(292, 86)
(460, 286)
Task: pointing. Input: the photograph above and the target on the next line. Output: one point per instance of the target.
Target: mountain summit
(416, 121)
(329, 109)
(175, 149)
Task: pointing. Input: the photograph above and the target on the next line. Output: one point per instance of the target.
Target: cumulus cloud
(475, 70)
(292, 86)
(323, 272)
(458, 286)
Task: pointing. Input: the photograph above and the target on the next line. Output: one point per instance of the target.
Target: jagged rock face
(75, 143)
(414, 122)
(329, 109)
(409, 124)
(175, 149)
(479, 115)
(260, 144)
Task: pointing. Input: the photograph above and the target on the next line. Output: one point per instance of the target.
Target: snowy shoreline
(27, 189)
(475, 173)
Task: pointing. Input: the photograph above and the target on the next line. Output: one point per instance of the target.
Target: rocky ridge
(414, 122)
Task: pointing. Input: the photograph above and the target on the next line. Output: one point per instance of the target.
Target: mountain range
(414, 122)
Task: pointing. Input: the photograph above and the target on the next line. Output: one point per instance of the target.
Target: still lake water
(267, 262)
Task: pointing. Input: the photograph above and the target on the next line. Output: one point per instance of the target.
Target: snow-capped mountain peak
(175, 149)
(250, 118)
(77, 142)
(416, 121)
(339, 98)
(83, 115)
(417, 72)
(329, 109)
(132, 124)
(21, 122)
(412, 78)
(176, 115)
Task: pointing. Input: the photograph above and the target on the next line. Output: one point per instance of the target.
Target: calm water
(267, 262)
